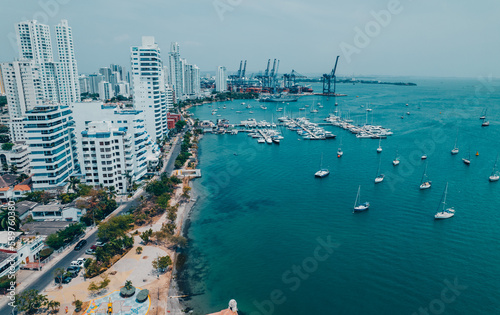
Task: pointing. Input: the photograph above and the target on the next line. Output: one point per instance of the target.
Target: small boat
(380, 177)
(276, 140)
(263, 107)
(379, 149)
(407, 113)
(339, 151)
(444, 213)
(396, 159)
(455, 148)
(251, 112)
(269, 141)
(424, 156)
(494, 173)
(302, 108)
(485, 123)
(322, 171)
(261, 140)
(368, 109)
(483, 114)
(467, 160)
(358, 207)
(425, 182)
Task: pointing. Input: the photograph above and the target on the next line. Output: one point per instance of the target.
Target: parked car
(63, 279)
(73, 268)
(99, 244)
(72, 273)
(90, 251)
(75, 263)
(80, 244)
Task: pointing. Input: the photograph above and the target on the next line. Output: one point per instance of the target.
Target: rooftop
(44, 227)
(25, 206)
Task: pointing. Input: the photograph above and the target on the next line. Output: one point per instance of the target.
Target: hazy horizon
(373, 38)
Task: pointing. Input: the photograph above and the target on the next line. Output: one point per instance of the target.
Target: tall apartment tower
(221, 79)
(50, 136)
(34, 43)
(176, 77)
(149, 86)
(24, 92)
(67, 69)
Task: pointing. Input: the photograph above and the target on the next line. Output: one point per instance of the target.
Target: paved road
(176, 150)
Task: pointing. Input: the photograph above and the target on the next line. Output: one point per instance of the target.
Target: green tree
(180, 124)
(78, 305)
(93, 288)
(7, 146)
(73, 182)
(59, 273)
(8, 222)
(4, 138)
(53, 305)
(5, 167)
(162, 263)
(4, 128)
(146, 235)
(30, 301)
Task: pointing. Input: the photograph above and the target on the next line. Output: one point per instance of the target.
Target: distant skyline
(408, 38)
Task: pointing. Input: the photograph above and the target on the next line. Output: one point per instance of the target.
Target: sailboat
(444, 213)
(313, 110)
(494, 174)
(379, 149)
(455, 148)
(396, 159)
(467, 160)
(320, 105)
(339, 151)
(483, 118)
(424, 156)
(380, 177)
(322, 171)
(358, 207)
(483, 114)
(425, 183)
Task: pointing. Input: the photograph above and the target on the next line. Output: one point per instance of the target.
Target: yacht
(379, 149)
(358, 207)
(444, 213)
(322, 171)
(424, 157)
(379, 178)
(261, 140)
(425, 182)
(269, 140)
(494, 174)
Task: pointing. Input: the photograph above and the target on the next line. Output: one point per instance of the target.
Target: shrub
(138, 250)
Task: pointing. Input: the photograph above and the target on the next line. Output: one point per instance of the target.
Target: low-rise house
(57, 212)
(17, 249)
(23, 208)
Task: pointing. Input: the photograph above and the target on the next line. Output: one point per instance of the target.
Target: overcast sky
(448, 38)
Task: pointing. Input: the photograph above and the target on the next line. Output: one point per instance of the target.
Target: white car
(81, 261)
(78, 263)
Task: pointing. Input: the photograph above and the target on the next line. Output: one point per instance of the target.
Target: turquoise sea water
(262, 212)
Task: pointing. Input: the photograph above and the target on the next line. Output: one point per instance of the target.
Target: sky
(447, 38)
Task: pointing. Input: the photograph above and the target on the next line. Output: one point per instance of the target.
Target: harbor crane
(269, 77)
(289, 78)
(327, 80)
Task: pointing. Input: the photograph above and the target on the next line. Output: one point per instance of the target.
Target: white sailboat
(396, 159)
(358, 207)
(494, 173)
(380, 177)
(322, 171)
(379, 149)
(455, 148)
(444, 213)
(425, 183)
(467, 160)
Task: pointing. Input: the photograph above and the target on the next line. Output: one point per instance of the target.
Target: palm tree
(73, 181)
(7, 223)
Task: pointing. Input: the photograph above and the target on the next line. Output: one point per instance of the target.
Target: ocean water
(269, 234)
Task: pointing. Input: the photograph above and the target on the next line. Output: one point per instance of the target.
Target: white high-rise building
(142, 151)
(149, 86)
(106, 152)
(221, 79)
(50, 137)
(35, 44)
(169, 97)
(175, 78)
(67, 70)
(106, 90)
(24, 92)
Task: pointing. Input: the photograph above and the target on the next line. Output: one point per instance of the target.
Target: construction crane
(327, 80)
(289, 78)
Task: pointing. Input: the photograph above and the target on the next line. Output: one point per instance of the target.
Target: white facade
(56, 212)
(17, 250)
(34, 43)
(19, 156)
(49, 132)
(129, 120)
(67, 70)
(24, 92)
(108, 155)
(221, 79)
(123, 89)
(149, 86)
(176, 73)
(106, 90)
